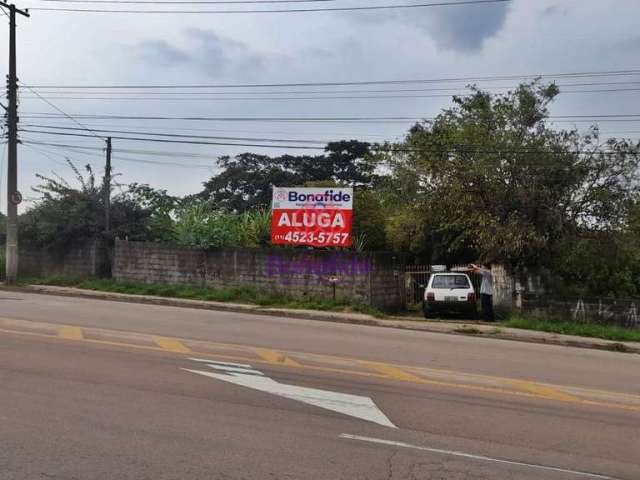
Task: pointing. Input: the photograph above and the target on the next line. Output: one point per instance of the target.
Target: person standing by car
(486, 291)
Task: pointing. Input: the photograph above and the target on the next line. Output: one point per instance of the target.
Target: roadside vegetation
(252, 296)
(605, 332)
(491, 177)
(244, 295)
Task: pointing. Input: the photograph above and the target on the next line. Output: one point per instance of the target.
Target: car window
(450, 281)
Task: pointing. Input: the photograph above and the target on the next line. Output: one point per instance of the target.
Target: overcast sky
(516, 38)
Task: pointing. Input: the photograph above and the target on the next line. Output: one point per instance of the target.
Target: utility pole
(107, 189)
(14, 198)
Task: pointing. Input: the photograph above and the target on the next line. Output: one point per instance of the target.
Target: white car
(449, 292)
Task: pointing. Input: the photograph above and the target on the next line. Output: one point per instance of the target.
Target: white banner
(312, 198)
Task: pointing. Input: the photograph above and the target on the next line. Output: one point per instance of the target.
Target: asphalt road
(106, 390)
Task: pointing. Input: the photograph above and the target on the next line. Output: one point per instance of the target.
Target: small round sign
(16, 198)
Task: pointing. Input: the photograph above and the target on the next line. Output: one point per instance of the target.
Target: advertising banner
(319, 217)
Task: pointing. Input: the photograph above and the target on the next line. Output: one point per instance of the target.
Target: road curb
(469, 329)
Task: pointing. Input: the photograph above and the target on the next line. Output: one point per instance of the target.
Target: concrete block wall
(75, 261)
(604, 311)
(158, 263)
(372, 279)
(388, 288)
(503, 287)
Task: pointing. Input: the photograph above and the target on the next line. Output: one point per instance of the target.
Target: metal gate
(417, 277)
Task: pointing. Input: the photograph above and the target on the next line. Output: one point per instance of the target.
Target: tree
(158, 206)
(346, 162)
(490, 174)
(67, 215)
(246, 181)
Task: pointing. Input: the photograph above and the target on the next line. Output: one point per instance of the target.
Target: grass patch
(605, 332)
(468, 330)
(247, 295)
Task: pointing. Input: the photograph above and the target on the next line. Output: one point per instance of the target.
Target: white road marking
(248, 371)
(352, 405)
(224, 364)
(475, 457)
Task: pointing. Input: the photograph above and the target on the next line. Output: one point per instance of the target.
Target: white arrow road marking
(211, 363)
(352, 405)
(471, 456)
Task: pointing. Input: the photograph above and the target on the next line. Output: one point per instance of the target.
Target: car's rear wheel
(425, 310)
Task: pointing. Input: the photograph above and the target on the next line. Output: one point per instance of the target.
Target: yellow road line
(393, 372)
(543, 391)
(273, 356)
(429, 372)
(70, 333)
(522, 388)
(171, 345)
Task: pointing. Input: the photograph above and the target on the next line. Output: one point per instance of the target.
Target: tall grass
(198, 225)
(606, 332)
(254, 228)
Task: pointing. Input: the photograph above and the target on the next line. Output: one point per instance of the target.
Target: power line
(362, 119)
(165, 164)
(175, 135)
(186, 142)
(52, 91)
(460, 148)
(134, 160)
(325, 97)
(199, 99)
(209, 130)
(356, 119)
(55, 107)
(584, 74)
(275, 10)
(80, 148)
(48, 155)
(185, 2)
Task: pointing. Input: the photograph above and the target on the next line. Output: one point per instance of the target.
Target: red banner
(312, 216)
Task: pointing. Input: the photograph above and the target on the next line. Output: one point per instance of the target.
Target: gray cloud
(528, 37)
(628, 45)
(461, 29)
(160, 52)
(555, 10)
(451, 28)
(212, 53)
(205, 51)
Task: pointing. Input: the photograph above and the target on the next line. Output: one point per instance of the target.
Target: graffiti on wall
(336, 265)
(623, 313)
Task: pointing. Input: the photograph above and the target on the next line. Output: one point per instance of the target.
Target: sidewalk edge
(449, 328)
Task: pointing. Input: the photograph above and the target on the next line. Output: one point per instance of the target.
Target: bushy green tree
(72, 213)
(246, 180)
(490, 174)
(159, 207)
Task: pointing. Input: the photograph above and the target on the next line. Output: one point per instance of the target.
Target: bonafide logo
(327, 196)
